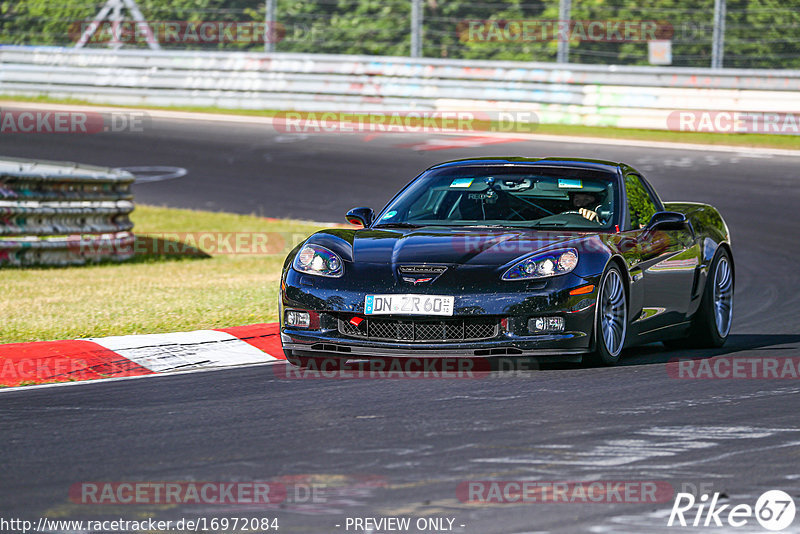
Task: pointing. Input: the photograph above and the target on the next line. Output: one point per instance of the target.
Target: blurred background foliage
(759, 33)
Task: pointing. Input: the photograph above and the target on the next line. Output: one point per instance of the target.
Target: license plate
(408, 305)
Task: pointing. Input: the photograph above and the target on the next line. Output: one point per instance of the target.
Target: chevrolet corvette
(552, 258)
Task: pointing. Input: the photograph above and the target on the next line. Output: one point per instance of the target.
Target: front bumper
(324, 346)
(517, 304)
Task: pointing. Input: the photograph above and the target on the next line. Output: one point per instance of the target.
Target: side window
(640, 206)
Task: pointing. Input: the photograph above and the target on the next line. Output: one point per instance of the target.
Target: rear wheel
(611, 325)
(711, 323)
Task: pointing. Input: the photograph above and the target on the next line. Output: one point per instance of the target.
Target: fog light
(539, 325)
(298, 318)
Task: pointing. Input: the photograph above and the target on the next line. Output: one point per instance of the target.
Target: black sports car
(551, 257)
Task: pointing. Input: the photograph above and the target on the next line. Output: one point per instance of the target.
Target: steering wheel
(576, 212)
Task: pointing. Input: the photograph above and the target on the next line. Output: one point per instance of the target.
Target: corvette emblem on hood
(420, 274)
(416, 281)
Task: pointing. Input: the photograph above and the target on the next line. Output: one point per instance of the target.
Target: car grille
(467, 329)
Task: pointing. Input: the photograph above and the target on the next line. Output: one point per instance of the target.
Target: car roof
(581, 163)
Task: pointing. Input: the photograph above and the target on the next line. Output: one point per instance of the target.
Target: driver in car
(584, 201)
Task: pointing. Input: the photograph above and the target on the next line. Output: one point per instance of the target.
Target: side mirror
(362, 216)
(667, 220)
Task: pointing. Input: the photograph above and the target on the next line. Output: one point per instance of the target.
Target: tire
(611, 322)
(711, 324)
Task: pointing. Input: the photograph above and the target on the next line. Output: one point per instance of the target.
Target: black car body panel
(665, 273)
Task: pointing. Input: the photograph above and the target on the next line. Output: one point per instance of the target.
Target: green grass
(791, 142)
(152, 294)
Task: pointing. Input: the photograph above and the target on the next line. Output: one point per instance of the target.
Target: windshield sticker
(462, 182)
(570, 183)
(389, 214)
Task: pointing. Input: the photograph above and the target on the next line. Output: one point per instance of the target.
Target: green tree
(760, 33)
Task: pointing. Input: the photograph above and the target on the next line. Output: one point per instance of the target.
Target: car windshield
(518, 196)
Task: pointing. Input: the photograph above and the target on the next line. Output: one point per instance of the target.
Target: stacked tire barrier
(63, 214)
(633, 97)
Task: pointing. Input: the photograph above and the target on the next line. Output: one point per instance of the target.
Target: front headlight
(543, 265)
(318, 260)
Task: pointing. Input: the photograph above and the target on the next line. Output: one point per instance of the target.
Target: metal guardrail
(63, 213)
(636, 97)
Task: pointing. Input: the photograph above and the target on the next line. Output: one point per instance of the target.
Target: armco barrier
(637, 97)
(63, 214)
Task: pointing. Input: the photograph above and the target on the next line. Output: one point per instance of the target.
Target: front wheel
(711, 323)
(611, 324)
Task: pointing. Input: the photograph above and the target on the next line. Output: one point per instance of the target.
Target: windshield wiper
(397, 225)
(549, 223)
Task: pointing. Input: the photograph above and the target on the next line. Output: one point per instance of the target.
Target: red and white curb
(126, 356)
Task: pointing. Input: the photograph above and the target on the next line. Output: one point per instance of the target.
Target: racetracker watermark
(311, 493)
(512, 243)
(373, 122)
(177, 493)
(13, 371)
(32, 121)
(387, 368)
(538, 30)
(536, 491)
(509, 242)
(754, 122)
(735, 368)
(189, 244)
(178, 32)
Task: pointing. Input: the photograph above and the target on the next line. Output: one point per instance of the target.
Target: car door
(667, 259)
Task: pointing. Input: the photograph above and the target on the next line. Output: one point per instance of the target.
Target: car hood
(439, 245)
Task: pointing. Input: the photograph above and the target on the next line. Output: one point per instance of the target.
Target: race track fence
(621, 96)
(63, 213)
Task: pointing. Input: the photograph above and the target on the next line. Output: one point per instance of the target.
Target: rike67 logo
(774, 510)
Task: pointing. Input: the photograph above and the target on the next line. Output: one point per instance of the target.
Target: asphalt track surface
(422, 438)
